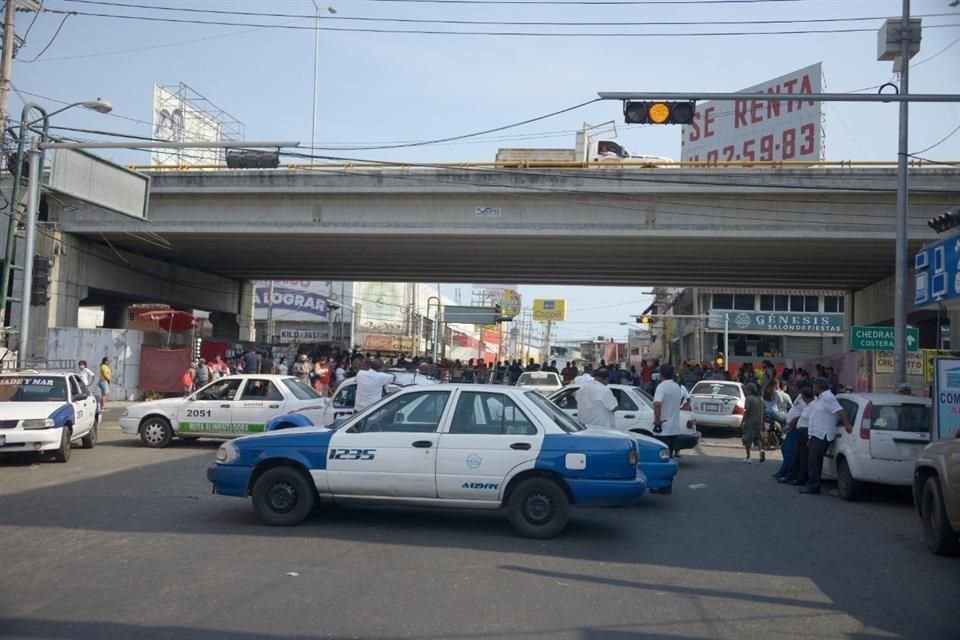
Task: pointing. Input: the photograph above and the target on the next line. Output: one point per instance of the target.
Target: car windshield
(716, 389)
(643, 396)
(300, 389)
(903, 417)
(559, 418)
(33, 389)
(539, 379)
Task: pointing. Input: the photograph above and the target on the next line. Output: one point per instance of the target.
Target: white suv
(889, 432)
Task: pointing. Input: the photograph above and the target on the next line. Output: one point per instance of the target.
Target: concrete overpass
(801, 227)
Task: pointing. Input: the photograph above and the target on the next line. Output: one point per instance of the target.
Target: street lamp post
(316, 76)
(36, 170)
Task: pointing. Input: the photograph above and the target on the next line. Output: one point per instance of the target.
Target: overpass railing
(533, 164)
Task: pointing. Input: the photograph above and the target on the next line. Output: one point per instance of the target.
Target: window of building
(723, 301)
(744, 302)
(808, 304)
(774, 303)
(833, 304)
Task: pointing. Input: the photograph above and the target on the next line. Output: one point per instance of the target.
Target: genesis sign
(754, 130)
(778, 321)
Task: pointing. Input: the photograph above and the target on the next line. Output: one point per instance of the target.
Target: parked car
(656, 464)
(324, 413)
(453, 445)
(226, 408)
(936, 494)
(46, 412)
(889, 432)
(634, 412)
(718, 403)
(543, 382)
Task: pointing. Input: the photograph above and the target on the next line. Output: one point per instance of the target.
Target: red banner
(161, 370)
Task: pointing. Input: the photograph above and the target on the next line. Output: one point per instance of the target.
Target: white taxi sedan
(46, 412)
(226, 408)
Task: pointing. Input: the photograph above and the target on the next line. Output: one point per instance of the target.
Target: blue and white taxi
(46, 412)
(462, 446)
(229, 407)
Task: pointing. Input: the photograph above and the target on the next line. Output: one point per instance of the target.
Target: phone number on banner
(790, 144)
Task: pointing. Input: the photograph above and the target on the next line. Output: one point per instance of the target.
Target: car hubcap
(538, 508)
(282, 497)
(153, 433)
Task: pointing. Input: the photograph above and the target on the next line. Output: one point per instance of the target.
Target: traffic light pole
(903, 192)
(33, 202)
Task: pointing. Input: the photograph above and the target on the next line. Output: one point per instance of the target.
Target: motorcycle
(772, 436)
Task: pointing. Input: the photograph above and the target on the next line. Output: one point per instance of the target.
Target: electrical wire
(938, 143)
(914, 65)
(34, 21)
(340, 17)
(52, 40)
(485, 33)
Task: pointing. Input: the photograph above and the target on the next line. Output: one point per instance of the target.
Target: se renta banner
(754, 130)
(946, 397)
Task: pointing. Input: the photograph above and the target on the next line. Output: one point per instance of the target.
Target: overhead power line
(534, 34)
(523, 23)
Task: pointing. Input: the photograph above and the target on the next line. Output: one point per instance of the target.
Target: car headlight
(38, 423)
(227, 453)
(664, 454)
(126, 413)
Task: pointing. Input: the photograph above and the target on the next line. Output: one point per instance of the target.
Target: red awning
(172, 320)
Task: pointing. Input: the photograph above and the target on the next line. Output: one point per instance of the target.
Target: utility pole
(270, 313)
(6, 65)
(900, 271)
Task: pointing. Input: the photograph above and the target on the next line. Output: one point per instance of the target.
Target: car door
(391, 450)
(344, 400)
(843, 440)
(627, 411)
(566, 400)
(260, 399)
(645, 412)
(899, 430)
(488, 436)
(84, 410)
(209, 410)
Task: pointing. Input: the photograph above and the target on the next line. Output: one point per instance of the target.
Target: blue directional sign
(937, 276)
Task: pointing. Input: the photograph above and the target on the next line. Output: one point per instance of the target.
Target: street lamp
(316, 73)
(33, 195)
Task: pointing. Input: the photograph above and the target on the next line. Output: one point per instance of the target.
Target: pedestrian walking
(596, 402)
(824, 414)
(752, 424)
(668, 400)
(106, 377)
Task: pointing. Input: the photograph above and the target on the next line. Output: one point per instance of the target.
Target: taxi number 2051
(199, 413)
(352, 454)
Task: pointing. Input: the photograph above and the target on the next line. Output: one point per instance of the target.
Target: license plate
(709, 406)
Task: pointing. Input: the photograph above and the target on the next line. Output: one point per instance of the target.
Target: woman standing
(321, 372)
(106, 377)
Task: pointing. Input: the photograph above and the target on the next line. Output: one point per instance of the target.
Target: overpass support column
(248, 302)
(115, 315)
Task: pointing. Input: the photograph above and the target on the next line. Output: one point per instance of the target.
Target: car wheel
(89, 441)
(538, 508)
(847, 486)
(63, 453)
(937, 534)
(156, 432)
(283, 497)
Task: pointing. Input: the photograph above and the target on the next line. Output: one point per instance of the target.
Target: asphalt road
(127, 542)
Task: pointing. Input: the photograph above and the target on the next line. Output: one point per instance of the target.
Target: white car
(889, 433)
(543, 382)
(226, 408)
(46, 412)
(718, 403)
(634, 413)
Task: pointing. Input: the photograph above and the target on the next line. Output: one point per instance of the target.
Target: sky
(388, 88)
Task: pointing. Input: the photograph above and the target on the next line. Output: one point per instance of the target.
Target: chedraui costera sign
(777, 321)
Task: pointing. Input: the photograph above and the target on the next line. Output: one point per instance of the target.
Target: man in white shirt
(88, 377)
(596, 402)
(370, 384)
(668, 399)
(794, 467)
(824, 414)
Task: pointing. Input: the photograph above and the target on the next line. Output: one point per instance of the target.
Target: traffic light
(42, 276)
(945, 221)
(643, 320)
(659, 112)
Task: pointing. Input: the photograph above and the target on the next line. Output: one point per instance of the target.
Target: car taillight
(738, 410)
(634, 457)
(691, 424)
(865, 421)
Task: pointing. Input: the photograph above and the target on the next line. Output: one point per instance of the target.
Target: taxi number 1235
(352, 454)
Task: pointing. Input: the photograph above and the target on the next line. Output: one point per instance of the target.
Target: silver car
(718, 403)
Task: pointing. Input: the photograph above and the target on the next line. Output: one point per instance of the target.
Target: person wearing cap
(824, 414)
(904, 389)
(596, 402)
(752, 425)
